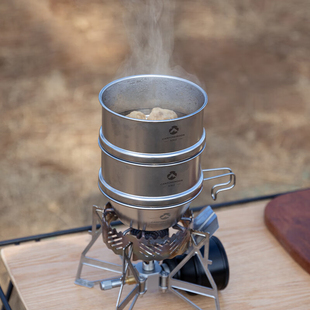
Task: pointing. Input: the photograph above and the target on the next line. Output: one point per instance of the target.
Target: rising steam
(150, 30)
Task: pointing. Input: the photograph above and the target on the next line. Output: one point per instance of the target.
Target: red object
(288, 219)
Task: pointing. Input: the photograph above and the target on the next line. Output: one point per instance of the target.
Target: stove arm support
(203, 227)
(139, 288)
(92, 262)
(174, 285)
(229, 185)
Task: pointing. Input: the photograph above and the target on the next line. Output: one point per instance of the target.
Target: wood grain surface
(262, 274)
(288, 219)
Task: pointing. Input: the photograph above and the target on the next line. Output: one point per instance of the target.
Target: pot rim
(149, 201)
(144, 158)
(151, 164)
(152, 76)
(152, 208)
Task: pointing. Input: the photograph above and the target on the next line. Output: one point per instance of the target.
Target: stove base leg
(175, 284)
(91, 262)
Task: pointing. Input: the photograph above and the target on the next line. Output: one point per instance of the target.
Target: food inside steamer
(156, 114)
(137, 114)
(161, 114)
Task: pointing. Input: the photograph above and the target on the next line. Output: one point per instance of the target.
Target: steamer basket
(143, 93)
(150, 201)
(150, 179)
(151, 157)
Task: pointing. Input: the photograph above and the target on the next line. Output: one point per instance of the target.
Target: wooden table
(262, 274)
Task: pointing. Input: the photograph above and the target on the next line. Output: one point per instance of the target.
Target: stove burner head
(146, 245)
(157, 234)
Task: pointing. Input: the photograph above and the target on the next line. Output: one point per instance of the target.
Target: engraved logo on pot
(173, 130)
(165, 216)
(171, 175)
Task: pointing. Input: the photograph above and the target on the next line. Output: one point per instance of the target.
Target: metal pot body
(150, 201)
(150, 179)
(160, 158)
(149, 218)
(150, 170)
(143, 93)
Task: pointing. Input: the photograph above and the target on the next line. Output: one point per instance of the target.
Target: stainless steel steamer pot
(150, 179)
(150, 170)
(143, 93)
(151, 157)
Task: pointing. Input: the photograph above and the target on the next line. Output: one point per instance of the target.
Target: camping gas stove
(150, 173)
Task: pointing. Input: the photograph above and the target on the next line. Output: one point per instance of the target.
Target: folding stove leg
(92, 262)
(129, 269)
(175, 284)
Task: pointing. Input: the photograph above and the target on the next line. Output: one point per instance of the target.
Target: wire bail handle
(230, 184)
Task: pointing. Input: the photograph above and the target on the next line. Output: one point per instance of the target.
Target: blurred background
(252, 58)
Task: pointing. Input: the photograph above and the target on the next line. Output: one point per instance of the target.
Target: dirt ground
(55, 55)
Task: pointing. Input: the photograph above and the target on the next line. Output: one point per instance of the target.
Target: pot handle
(230, 184)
